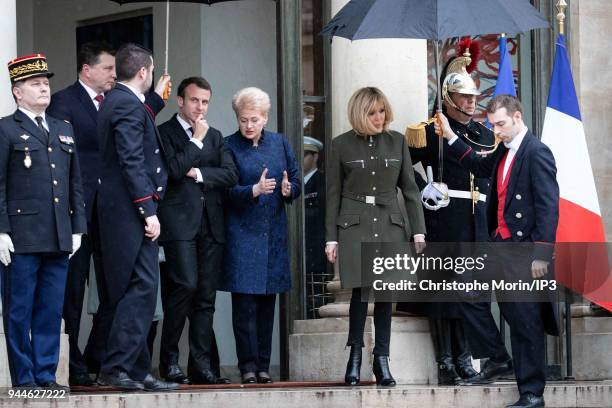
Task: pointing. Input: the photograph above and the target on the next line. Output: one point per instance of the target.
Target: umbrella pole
(167, 35)
(439, 110)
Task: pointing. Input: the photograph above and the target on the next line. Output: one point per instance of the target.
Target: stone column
(8, 51)
(317, 347)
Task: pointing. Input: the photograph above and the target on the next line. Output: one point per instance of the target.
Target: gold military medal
(27, 160)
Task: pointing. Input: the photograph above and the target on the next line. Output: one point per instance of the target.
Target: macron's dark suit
(41, 206)
(132, 182)
(76, 106)
(531, 213)
(193, 234)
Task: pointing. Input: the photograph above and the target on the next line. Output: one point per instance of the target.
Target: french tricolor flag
(581, 262)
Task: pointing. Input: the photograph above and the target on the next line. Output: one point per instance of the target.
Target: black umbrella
(209, 2)
(433, 20)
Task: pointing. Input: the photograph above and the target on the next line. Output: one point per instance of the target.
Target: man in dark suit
(193, 232)
(132, 182)
(79, 104)
(523, 207)
(314, 220)
(42, 218)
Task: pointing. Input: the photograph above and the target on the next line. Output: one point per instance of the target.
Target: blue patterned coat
(256, 257)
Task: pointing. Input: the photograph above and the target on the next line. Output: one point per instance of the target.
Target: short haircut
(130, 58)
(511, 103)
(360, 105)
(194, 80)
(251, 98)
(90, 52)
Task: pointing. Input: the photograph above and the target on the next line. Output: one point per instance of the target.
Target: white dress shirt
(33, 116)
(136, 92)
(92, 94)
(513, 147)
(187, 127)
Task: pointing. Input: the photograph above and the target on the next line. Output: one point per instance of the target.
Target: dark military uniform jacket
(41, 201)
(314, 208)
(362, 204)
(461, 220)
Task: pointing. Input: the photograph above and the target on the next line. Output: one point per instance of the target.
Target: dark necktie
(39, 121)
(99, 99)
(191, 130)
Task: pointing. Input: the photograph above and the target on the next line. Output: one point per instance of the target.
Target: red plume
(466, 43)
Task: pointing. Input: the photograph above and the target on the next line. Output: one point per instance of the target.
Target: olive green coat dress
(363, 170)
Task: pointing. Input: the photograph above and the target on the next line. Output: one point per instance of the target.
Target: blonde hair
(251, 98)
(360, 105)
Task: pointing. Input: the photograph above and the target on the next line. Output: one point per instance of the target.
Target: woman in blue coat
(256, 261)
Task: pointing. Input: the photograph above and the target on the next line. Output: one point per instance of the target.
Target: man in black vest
(193, 232)
(42, 218)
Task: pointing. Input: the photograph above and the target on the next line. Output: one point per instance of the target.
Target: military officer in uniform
(455, 212)
(42, 218)
(314, 205)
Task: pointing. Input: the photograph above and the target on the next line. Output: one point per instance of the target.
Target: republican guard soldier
(455, 211)
(42, 218)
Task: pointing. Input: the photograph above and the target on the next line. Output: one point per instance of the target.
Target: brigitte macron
(256, 258)
(368, 165)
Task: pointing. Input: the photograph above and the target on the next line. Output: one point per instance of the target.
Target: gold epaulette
(416, 135)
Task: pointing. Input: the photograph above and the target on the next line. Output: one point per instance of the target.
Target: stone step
(558, 394)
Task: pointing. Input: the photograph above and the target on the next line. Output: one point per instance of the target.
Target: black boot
(353, 367)
(447, 374)
(381, 371)
(441, 337)
(461, 351)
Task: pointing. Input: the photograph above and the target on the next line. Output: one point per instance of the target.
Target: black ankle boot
(447, 374)
(381, 371)
(353, 367)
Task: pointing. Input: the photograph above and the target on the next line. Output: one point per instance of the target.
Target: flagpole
(561, 6)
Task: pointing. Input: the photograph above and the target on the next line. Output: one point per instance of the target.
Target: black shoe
(120, 379)
(153, 384)
(491, 371)
(223, 380)
(381, 371)
(264, 378)
(249, 378)
(353, 367)
(173, 373)
(205, 376)
(52, 385)
(465, 370)
(447, 375)
(528, 400)
(81, 379)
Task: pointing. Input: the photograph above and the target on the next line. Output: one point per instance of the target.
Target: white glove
(76, 244)
(435, 195)
(431, 193)
(6, 247)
